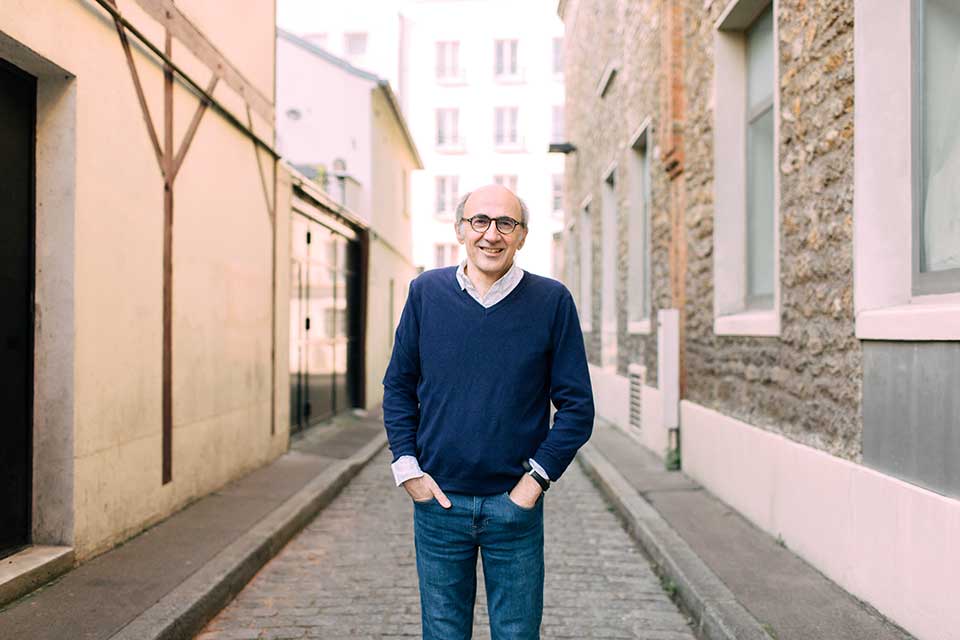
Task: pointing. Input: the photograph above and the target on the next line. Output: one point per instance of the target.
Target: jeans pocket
(427, 501)
(506, 494)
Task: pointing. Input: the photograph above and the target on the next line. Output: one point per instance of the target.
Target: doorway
(324, 321)
(18, 104)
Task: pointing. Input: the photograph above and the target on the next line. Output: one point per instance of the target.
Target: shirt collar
(499, 290)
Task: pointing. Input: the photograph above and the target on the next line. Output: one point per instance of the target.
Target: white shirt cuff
(539, 469)
(405, 468)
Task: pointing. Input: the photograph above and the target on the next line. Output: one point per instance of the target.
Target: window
(505, 126)
(446, 254)
(638, 230)
(448, 194)
(557, 133)
(508, 181)
(936, 238)
(448, 60)
(505, 58)
(889, 195)
(760, 165)
(609, 276)
(745, 234)
(558, 55)
(355, 44)
(586, 268)
(447, 128)
(557, 193)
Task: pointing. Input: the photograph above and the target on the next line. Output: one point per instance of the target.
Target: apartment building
(481, 85)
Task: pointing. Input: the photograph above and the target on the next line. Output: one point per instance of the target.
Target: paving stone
(351, 573)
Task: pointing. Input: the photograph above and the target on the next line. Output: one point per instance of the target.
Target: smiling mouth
(490, 251)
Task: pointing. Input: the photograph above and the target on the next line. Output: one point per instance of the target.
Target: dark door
(17, 116)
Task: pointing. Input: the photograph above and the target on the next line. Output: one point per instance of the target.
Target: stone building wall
(806, 383)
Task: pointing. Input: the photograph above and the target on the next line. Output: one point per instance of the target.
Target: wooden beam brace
(169, 15)
(151, 130)
(263, 178)
(167, 393)
(192, 129)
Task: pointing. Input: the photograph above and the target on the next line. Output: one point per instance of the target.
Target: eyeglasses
(505, 224)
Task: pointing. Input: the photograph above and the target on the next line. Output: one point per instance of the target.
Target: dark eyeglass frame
(477, 223)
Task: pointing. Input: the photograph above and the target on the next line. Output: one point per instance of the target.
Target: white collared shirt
(407, 467)
(498, 290)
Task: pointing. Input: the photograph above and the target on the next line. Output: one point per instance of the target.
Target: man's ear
(457, 229)
(523, 239)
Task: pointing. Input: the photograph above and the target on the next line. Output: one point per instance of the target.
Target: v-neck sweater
(468, 389)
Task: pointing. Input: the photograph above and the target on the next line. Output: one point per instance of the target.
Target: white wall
(334, 107)
(475, 25)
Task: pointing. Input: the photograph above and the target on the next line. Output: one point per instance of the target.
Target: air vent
(637, 374)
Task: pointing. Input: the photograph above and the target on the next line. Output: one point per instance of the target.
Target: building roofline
(395, 107)
(382, 84)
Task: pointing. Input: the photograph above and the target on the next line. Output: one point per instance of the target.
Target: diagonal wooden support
(192, 129)
(139, 89)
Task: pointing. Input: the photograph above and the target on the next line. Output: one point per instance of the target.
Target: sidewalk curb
(715, 610)
(183, 612)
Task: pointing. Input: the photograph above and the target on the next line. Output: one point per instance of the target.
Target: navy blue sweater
(468, 389)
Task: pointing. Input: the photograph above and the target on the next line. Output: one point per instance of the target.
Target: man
(480, 352)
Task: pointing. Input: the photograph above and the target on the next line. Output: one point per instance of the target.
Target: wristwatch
(543, 482)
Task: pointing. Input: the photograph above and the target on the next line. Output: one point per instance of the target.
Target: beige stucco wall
(221, 276)
(392, 161)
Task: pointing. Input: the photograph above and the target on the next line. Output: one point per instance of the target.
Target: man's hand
(423, 488)
(526, 492)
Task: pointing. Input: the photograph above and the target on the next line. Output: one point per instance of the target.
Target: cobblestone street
(351, 573)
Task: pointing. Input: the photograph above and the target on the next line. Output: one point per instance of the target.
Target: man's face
(491, 252)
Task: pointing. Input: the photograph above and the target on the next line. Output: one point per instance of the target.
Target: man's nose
(491, 234)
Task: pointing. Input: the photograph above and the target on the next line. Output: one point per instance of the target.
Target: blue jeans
(510, 541)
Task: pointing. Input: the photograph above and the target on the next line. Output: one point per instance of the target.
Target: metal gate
(325, 305)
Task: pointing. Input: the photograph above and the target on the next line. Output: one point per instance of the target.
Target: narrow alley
(351, 573)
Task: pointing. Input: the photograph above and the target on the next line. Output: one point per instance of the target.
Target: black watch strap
(543, 482)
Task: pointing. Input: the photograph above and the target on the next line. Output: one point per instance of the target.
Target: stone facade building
(727, 166)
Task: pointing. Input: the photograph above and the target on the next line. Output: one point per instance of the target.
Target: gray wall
(911, 412)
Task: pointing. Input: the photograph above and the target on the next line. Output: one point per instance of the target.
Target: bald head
(492, 196)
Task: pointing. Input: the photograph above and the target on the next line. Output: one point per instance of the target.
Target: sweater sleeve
(401, 407)
(570, 392)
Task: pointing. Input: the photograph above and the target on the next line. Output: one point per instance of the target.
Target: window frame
(884, 195)
(447, 189)
(640, 143)
(558, 124)
(936, 282)
(586, 265)
(509, 70)
(446, 51)
(510, 124)
(733, 314)
(448, 116)
(609, 268)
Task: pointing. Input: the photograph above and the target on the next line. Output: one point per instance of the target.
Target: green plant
(770, 632)
(781, 542)
(672, 460)
(669, 586)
